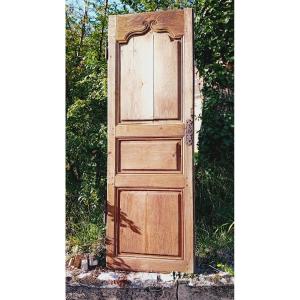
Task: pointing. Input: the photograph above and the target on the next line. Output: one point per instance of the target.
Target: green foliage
(146, 5)
(86, 121)
(214, 176)
(214, 246)
(88, 237)
(86, 105)
(214, 193)
(86, 159)
(214, 42)
(226, 268)
(214, 55)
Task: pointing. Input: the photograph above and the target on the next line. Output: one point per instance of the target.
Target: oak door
(150, 206)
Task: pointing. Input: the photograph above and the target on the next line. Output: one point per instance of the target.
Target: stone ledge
(95, 285)
(178, 291)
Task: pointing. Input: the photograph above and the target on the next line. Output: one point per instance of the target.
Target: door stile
(110, 234)
(188, 102)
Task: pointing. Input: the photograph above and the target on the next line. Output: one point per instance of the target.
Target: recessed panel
(149, 155)
(136, 82)
(167, 83)
(150, 78)
(150, 222)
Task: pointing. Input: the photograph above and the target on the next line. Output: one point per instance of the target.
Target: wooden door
(150, 206)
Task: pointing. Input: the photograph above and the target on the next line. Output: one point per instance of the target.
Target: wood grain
(110, 225)
(153, 232)
(149, 155)
(171, 21)
(136, 84)
(188, 92)
(167, 71)
(147, 263)
(153, 130)
(150, 180)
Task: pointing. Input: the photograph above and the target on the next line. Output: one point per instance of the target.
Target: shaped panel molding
(144, 156)
(171, 22)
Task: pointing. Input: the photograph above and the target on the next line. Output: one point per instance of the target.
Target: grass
(86, 238)
(214, 247)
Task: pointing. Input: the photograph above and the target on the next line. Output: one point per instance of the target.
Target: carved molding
(171, 22)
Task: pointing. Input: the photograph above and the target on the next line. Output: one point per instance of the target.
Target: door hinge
(189, 132)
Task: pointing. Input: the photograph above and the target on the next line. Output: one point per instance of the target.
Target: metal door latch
(189, 132)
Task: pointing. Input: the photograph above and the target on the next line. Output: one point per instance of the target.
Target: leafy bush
(86, 138)
(214, 176)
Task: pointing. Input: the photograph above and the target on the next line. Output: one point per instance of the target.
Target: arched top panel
(149, 85)
(130, 25)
